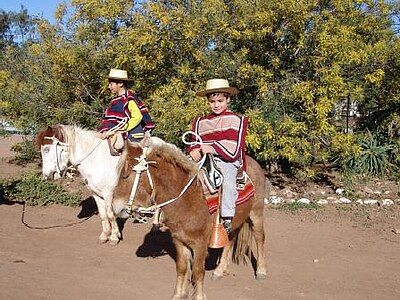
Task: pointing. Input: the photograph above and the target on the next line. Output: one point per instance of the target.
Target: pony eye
(46, 149)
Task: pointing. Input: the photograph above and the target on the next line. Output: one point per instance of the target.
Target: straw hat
(119, 75)
(218, 85)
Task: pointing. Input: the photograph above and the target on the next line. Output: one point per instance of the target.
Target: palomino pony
(170, 183)
(63, 146)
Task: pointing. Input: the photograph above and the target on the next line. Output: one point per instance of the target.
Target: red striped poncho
(225, 132)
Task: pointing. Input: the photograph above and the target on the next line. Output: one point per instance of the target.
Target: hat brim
(230, 90)
(121, 79)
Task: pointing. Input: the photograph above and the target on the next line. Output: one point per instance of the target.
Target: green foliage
(260, 136)
(16, 27)
(372, 159)
(25, 151)
(33, 190)
(344, 150)
(175, 109)
(395, 161)
(295, 62)
(295, 207)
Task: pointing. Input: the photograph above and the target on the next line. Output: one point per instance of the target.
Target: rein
(26, 224)
(86, 156)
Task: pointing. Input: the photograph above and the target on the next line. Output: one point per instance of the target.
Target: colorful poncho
(118, 115)
(225, 132)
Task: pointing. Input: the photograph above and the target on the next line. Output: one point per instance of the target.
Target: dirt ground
(331, 253)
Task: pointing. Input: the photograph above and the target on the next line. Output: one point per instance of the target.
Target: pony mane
(123, 163)
(64, 133)
(156, 148)
(172, 154)
(53, 130)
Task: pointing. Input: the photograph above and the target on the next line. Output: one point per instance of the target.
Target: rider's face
(218, 102)
(116, 87)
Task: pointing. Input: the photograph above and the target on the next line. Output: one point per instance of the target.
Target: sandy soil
(332, 253)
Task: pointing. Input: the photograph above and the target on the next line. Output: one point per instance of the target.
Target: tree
(295, 62)
(5, 35)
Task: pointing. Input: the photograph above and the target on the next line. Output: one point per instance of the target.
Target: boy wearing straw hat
(126, 113)
(223, 134)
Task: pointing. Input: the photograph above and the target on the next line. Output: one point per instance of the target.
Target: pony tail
(242, 247)
(268, 188)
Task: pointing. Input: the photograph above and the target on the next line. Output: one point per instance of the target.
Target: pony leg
(259, 237)
(223, 267)
(157, 223)
(103, 238)
(198, 270)
(183, 258)
(112, 218)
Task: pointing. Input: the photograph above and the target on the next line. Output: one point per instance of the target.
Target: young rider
(223, 134)
(126, 113)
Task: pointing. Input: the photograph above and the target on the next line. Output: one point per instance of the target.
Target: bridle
(141, 166)
(65, 147)
(141, 213)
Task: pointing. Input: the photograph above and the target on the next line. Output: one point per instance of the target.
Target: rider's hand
(207, 148)
(195, 154)
(103, 135)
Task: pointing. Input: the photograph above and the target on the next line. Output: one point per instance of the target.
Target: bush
(363, 155)
(373, 159)
(295, 207)
(394, 158)
(25, 151)
(34, 191)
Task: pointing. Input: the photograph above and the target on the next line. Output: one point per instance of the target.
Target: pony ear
(40, 137)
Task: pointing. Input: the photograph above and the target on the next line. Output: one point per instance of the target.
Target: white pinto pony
(63, 146)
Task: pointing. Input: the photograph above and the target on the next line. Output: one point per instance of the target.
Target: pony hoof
(113, 242)
(215, 277)
(261, 276)
(103, 238)
(102, 241)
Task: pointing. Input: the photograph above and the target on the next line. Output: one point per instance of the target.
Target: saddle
(211, 178)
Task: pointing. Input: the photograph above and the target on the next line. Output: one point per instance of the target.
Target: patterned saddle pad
(245, 192)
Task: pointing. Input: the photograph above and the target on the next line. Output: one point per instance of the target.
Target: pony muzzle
(140, 214)
(52, 175)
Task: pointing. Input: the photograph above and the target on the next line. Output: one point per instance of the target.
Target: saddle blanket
(244, 194)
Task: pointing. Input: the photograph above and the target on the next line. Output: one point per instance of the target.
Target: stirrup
(241, 179)
(212, 173)
(227, 223)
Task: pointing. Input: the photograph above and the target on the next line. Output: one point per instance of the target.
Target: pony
(63, 146)
(170, 183)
